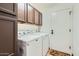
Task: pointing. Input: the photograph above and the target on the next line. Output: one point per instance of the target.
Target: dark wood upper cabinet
(34, 16)
(9, 8)
(21, 12)
(30, 14)
(38, 17)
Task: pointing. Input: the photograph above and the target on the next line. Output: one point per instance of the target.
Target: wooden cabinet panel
(26, 12)
(9, 8)
(37, 17)
(21, 12)
(30, 14)
(7, 35)
(40, 17)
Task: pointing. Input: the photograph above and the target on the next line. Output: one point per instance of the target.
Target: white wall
(46, 26)
(27, 27)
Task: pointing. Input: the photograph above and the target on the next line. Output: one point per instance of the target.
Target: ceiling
(43, 6)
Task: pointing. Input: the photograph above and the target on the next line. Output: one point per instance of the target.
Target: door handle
(52, 31)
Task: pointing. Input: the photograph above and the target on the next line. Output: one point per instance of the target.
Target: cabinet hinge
(69, 30)
(70, 47)
(70, 12)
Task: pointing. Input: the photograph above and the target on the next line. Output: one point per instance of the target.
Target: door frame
(71, 28)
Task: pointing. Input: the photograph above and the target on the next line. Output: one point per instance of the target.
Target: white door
(34, 48)
(62, 31)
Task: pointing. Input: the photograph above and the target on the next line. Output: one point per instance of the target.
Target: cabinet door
(40, 17)
(35, 48)
(45, 45)
(7, 36)
(21, 12)
(30, 14)
(26, 12)
(8, 8)
(37, 17)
